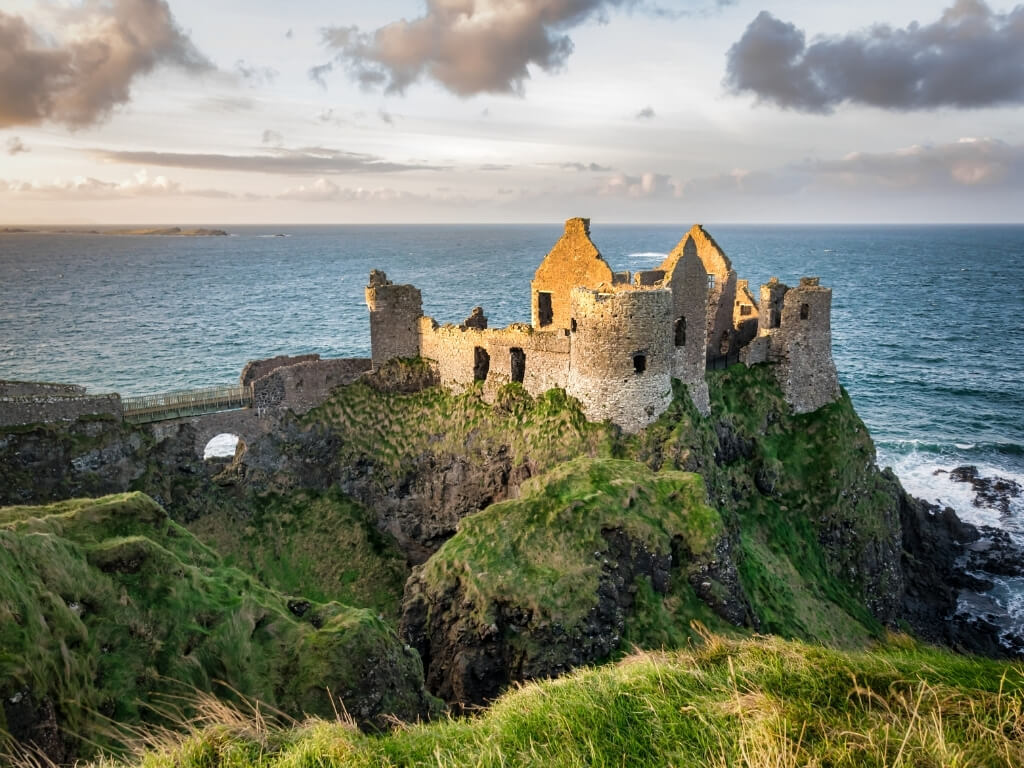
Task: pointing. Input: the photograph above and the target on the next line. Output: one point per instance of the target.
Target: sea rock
(993, 492)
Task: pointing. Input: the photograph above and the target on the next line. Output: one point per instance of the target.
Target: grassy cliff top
(762, 702)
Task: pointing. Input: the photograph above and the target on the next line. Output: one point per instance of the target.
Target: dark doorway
(681, 332)
(805, 311)
(639, 363)
(545, 313)
(517, 361)
(481, 363)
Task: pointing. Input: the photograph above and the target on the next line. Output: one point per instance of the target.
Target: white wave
(926, 476)
(648, 255)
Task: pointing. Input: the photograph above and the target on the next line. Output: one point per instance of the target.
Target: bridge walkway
(193, 402)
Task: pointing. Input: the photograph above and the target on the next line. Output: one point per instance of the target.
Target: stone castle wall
(687, 279)
(622, 355)
(305, 385)
(33, 409)
(802, 347)
(573, 262)
(395, 311)
(257, 369)
(39, 389)
(543, 357)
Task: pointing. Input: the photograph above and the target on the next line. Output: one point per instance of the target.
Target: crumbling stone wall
(453, 349)
(305, 385)
(257, 369)
(802, 347)
(745, 315)
(622, 354)
(721, 292)
(686, 277)
(772, 294)
(395, 311)
(33, 409)
(39, 389)
(574, 261)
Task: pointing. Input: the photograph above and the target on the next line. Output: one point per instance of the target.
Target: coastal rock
(993, 492)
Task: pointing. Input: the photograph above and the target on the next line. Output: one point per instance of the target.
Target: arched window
(680, 331)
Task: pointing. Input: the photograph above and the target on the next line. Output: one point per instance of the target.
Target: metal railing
(193, 402)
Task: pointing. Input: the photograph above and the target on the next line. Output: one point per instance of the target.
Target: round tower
(621, 354)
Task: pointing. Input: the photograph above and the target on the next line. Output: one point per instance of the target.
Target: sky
(192, 112)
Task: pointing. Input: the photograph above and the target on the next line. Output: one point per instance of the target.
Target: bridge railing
(192, 402)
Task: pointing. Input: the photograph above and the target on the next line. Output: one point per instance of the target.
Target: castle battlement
(614, 340)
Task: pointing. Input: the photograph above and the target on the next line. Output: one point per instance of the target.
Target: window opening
(680, 332)
(517, 362)
(639, 363)
(545, 312)
(481, 363)
(805, 311)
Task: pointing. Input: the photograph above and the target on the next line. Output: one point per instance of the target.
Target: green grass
(543, 552)
(106, 605)
(323, 546)
(760, 703)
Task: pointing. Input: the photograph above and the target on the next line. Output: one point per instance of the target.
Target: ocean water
(928, 322)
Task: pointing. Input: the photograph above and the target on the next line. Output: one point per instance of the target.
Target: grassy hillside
(107, 604)
(761, 703)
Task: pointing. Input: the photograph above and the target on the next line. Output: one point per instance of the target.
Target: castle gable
(573, 262)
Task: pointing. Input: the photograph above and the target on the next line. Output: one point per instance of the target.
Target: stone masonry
(615, 343)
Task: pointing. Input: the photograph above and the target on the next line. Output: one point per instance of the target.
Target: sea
(927, 321)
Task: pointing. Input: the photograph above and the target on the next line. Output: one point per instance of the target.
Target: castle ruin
(615, 341)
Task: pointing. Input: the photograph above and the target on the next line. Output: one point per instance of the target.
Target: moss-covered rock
(107, 607)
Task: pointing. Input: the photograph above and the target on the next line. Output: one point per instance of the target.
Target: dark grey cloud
(647, 113)
(468, 46)
(664, 12)
(971, 57)
(78, 81)
(304, 160)
(15, 146)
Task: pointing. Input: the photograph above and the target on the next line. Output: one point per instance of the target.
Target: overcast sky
(674, 111)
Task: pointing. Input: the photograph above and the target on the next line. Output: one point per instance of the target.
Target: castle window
(545, 312)
(745, 309)
(805, 311)
(639, 363)
(680, 332)
(711, 282)
(517, 362)
(572, 325)
(481, 363)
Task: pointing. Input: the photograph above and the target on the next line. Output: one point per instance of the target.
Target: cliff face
(811, 539)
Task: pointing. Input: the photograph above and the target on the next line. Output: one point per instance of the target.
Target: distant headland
(163, 231)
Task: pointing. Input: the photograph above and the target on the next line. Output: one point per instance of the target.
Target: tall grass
(758, 703)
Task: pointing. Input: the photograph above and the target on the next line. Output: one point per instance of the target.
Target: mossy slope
(106, 604)
(760, 703)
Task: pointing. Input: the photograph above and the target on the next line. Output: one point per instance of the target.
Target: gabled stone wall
(686, 277)
(574, 261)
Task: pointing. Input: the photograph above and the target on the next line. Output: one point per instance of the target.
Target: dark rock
(33, 724)
(992, 492)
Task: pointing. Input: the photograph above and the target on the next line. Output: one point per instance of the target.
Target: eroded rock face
(467, 662)
(993, 492)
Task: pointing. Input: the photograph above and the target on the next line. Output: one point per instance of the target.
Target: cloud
(15, 146)
(78, 78)
(386, 117)
(647, 113)
(325, 191)
(226, 104)
(468, 46)
(272, 137)
(305, 160)
(255, 75)
(647, 185)
(89, 188)
(582, 167)
(972, 57)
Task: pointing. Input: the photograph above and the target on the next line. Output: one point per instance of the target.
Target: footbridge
(185, 403)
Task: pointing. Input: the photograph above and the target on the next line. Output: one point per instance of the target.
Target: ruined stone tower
(395, 311)
(801, 345)
(621, 354)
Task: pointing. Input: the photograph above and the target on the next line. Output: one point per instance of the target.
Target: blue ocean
(928, 322)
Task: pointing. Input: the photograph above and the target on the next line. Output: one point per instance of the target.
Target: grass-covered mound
(317, 544)
(761, 703)
(533, 586)
(106, 604)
